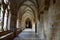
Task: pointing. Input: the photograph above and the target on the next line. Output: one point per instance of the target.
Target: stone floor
(27, 34)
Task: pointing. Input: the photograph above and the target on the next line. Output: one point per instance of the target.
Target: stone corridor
(29, 19)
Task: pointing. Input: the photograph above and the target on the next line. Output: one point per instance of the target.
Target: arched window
(5, 1)
(7, 17)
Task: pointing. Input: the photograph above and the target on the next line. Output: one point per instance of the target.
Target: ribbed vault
(24, 8)
(28, 11)
(25, 17)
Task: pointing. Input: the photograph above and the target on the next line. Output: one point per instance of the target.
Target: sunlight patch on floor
(27, 29)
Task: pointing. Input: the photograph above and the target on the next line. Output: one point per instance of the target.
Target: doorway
(28, 24)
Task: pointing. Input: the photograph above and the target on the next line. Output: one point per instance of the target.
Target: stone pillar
(13, 24)
(3, 5)
(35, 27)
(7, 19)
(3, 20)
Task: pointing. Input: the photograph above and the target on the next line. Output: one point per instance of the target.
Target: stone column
(3, 5)
(7, 19)
(3, 20)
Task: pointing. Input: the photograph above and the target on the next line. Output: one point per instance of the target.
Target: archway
(28, 11)
(28, 17)
(28, 23)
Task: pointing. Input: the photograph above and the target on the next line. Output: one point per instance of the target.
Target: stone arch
(25, 16)
(29, 22)
(29, 11)
(33, 9)
(27, 0)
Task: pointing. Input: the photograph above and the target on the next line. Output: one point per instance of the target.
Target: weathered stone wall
(50, 21)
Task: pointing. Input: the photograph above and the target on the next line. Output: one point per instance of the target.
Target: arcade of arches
(29, 19)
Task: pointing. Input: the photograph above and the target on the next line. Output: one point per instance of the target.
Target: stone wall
(50, 21)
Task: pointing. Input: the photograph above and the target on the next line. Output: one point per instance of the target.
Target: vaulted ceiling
(15, 4)
(28, 6)
(34, 6)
